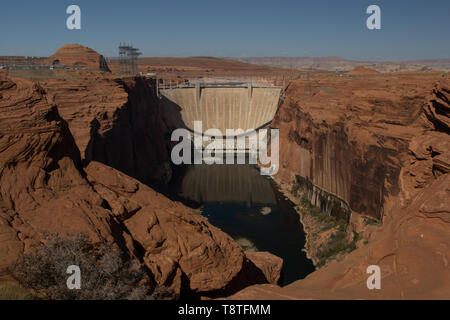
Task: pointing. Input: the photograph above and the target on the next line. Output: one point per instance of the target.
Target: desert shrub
(9, 291)
(326, 220)
(105, 275)
(338, 241)
(305, 202)
(371, 222)
(336, 244)
(294, 189)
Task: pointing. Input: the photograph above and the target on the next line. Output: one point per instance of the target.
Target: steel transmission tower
(128, 59)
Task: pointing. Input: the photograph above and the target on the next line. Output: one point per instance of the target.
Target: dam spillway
(235, 107)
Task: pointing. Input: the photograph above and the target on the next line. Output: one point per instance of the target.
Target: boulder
(269, 264)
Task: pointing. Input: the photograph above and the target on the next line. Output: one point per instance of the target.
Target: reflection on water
(248, 206)
(239, 183)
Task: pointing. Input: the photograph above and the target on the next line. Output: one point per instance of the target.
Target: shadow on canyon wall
(137, 142)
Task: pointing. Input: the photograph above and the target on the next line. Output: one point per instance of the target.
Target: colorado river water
(248, 207)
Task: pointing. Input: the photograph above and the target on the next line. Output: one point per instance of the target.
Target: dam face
(232, 107)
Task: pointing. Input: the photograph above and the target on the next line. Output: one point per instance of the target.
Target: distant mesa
(363, 70)
(75, 55)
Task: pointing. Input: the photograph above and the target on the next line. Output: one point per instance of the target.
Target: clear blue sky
(411, 29)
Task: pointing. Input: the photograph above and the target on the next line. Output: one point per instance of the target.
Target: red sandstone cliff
(382, 145)
(351, 136)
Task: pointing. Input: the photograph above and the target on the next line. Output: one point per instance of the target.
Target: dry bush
(10, 291)
(104, 274)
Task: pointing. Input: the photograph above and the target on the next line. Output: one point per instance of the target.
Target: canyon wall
(117, 122)
(351, 137)
(382, 144)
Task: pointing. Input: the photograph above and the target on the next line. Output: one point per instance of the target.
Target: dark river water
(248, 207)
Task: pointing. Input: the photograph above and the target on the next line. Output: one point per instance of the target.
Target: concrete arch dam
(221, 107)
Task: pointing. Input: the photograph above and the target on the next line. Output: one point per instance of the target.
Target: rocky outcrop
(429, 157)
(269, 265)
(40, 164)
(175, 243)
(47, 185)
(437, 110)
(75, 55)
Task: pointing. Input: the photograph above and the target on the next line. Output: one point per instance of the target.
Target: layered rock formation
(381, 144)
(75, 55)
(351, 136)
(48, 185)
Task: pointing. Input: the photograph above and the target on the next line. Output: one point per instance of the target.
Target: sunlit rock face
(351, 136)
(381, 144)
